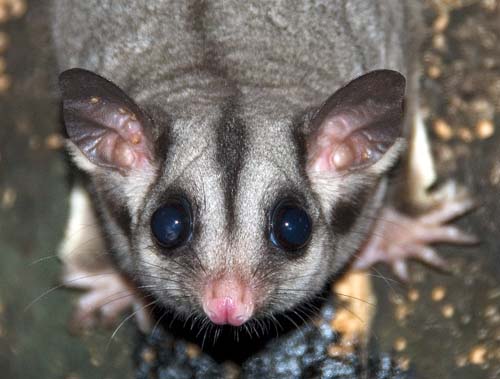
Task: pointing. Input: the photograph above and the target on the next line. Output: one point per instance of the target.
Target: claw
(400, 268)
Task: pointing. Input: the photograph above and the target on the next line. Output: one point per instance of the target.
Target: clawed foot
(107, 294)
(107, 297)
(397, 237)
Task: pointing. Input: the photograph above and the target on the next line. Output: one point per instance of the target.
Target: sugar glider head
(234, 211)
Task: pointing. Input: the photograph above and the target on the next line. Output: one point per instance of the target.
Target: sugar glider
(237, 152)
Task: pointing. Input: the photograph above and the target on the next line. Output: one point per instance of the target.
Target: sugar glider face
(232, 211)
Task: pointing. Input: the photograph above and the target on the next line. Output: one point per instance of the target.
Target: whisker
(125, 320)
(157, 323)
(50, 290)
(43, 259)
(355, 298)
(393, 290)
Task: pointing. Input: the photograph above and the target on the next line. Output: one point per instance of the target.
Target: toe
(447, 212)
(429, 256)
(448, 233)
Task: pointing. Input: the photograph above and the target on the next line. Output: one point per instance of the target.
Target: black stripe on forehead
(231, 152)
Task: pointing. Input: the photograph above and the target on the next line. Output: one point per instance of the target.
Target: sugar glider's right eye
(172, 223)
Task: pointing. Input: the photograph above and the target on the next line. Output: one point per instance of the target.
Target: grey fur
(228, 85)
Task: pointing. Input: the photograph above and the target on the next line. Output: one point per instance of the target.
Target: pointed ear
(357, 126)
(104, 123)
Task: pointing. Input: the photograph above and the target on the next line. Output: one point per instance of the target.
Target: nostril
(227, 301)
(240, 318)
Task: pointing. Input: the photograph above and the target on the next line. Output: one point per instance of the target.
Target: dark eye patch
(346, 212)
(119, 212)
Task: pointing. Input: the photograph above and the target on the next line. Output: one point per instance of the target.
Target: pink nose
(227, 301)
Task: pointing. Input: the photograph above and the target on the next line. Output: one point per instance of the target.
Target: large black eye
(172, 224)
(290, 226)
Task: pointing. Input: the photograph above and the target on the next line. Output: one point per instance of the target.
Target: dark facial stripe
(346, 212)
(118, 212)
(300, 141)
(232, 148)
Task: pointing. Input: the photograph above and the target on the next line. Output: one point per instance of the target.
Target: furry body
(232, 102)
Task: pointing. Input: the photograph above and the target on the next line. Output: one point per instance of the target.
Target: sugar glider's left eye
(172, 223)
(290, 226)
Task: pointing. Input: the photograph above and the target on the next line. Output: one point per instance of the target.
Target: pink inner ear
(347, 140)
(356, 126)
(332, 148)
(123, 144)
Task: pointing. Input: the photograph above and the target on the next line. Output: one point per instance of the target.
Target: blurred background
(444, 325)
